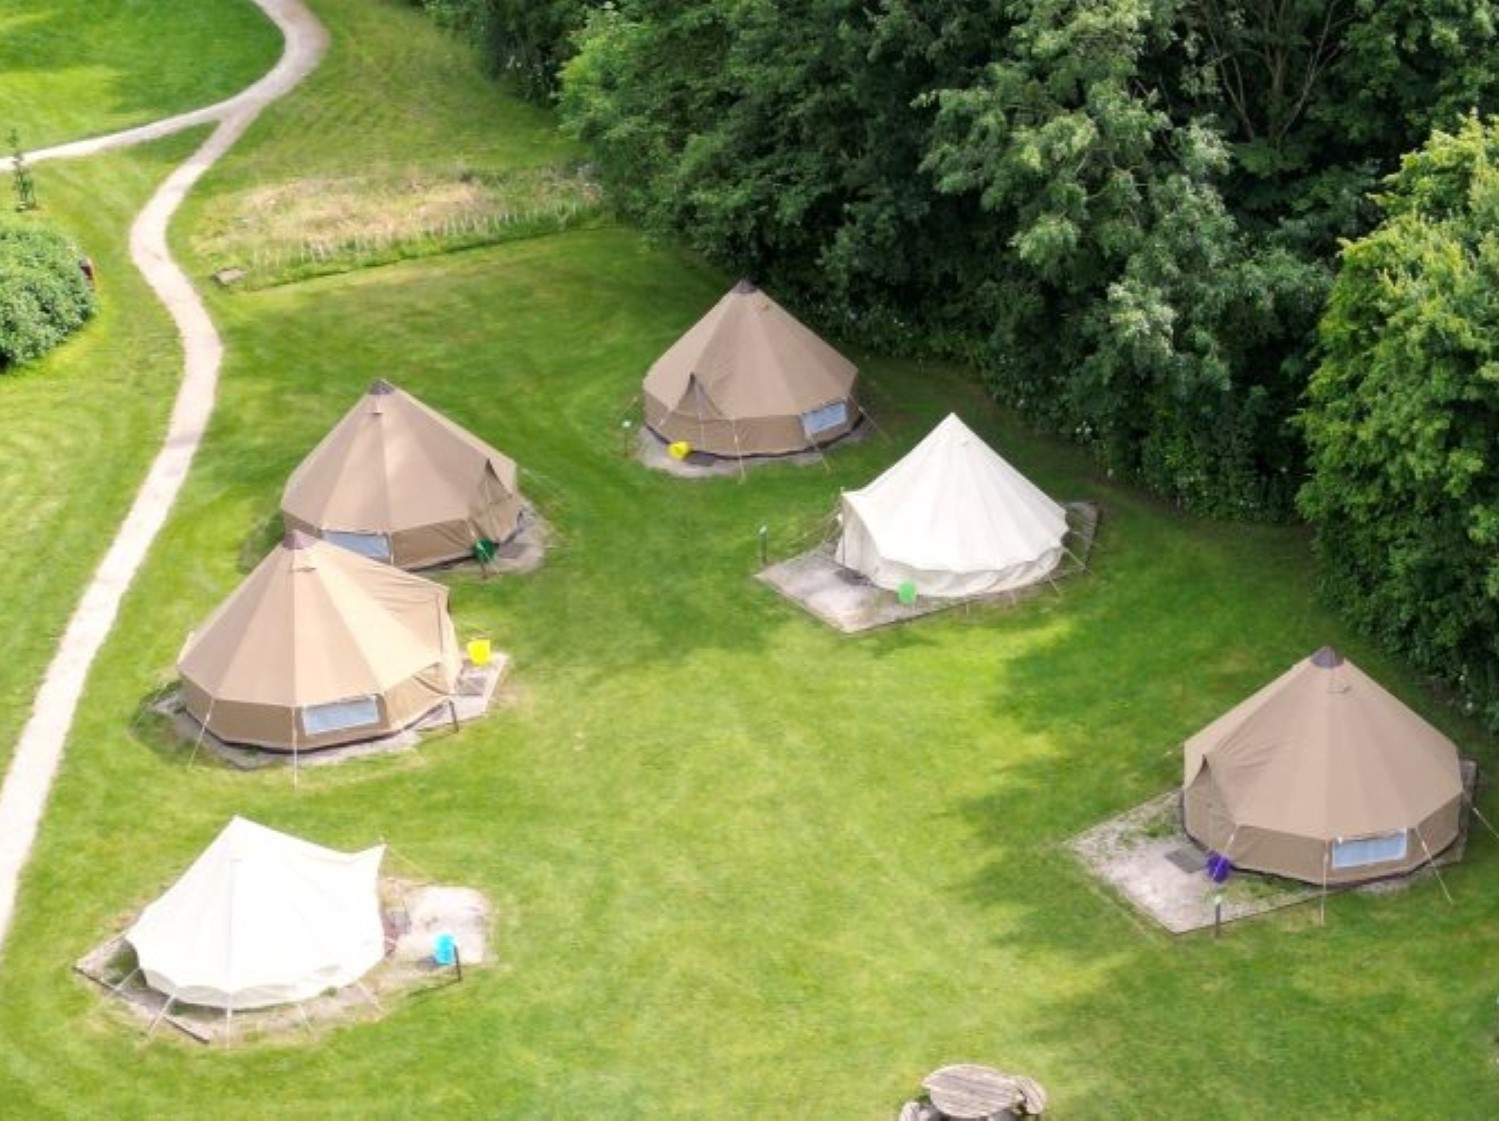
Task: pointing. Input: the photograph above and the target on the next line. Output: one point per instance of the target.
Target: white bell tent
(952, 519)
(260, 919)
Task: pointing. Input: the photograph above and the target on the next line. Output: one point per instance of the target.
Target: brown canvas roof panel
(314, 626)
(1322, 755)
(741, 380)
(396, 470)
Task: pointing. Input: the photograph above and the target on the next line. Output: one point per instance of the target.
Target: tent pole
(865, 413)
(1322, 905)
(1473, 805)
(160, 1015)
(1432, 862)
(202, 731)
(306, 1023)
(820, 453)
(369, 996)
(128, 978)
(738, 451)
(702, 425)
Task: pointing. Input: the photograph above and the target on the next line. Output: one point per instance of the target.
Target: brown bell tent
(750, 379)
(396, 481)
(319, 646)
(1323, 776)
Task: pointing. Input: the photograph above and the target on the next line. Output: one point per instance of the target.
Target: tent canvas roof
(392, 464)
(1325, 751)
(953, 504)
(262, 918)
(315, 623)
(749, 357)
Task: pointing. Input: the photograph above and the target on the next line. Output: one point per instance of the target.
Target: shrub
(44, 295)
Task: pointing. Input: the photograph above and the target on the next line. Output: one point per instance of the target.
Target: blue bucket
(1219, 867)
(445, 949)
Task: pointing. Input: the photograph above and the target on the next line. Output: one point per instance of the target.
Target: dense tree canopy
(1126, 212)
(44, 296)
(1403, 417)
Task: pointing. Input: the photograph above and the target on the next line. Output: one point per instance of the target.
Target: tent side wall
(278, 727)
(1304, 858)
(856, 549)
(1206, 820)
(775, 435)
(440, 543)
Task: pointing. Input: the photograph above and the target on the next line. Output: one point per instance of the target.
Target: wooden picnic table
(969, 1092)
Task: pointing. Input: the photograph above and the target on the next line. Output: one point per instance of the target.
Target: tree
(1402, 417)
(21, 175)
(1143, 319)
(1124, 212)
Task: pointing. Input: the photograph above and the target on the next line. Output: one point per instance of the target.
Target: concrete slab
(1138, 855)
(413, 914)
(845, 600)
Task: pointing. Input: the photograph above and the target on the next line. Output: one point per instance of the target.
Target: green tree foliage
(1402, 418)
(44, 295)
(1126, 212)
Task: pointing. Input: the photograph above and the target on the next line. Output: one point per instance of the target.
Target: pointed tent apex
(1327, 658)
(298, 539)
(745, 287)
(380, 387)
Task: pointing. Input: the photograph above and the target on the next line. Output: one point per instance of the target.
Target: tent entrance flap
(824, 418)
(340, 716)
(376, 546)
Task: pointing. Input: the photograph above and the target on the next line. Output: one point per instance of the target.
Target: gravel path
(23, 796)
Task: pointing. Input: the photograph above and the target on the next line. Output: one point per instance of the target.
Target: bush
(1402, 419)
(44, 296)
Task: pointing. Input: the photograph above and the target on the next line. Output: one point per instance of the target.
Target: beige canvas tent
(396, 481)
(953, 519)
(1323, 776)
(320, 646)
(750, 379)
(261, 918)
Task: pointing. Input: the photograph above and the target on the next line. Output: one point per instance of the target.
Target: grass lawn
(76, 68)
(742, 866)
(83, 423)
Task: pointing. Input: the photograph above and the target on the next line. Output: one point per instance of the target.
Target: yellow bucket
(478, 651)
(679, 449)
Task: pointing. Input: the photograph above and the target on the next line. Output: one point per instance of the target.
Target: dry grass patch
(299, 228)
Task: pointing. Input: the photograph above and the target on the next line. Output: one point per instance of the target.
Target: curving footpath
(38, 753)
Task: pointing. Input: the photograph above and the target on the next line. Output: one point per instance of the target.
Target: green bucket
(906, 593)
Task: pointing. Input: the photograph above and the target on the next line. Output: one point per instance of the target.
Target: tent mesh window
(339, 716)
(825, 418)
(1369, 850)
(376, 546)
